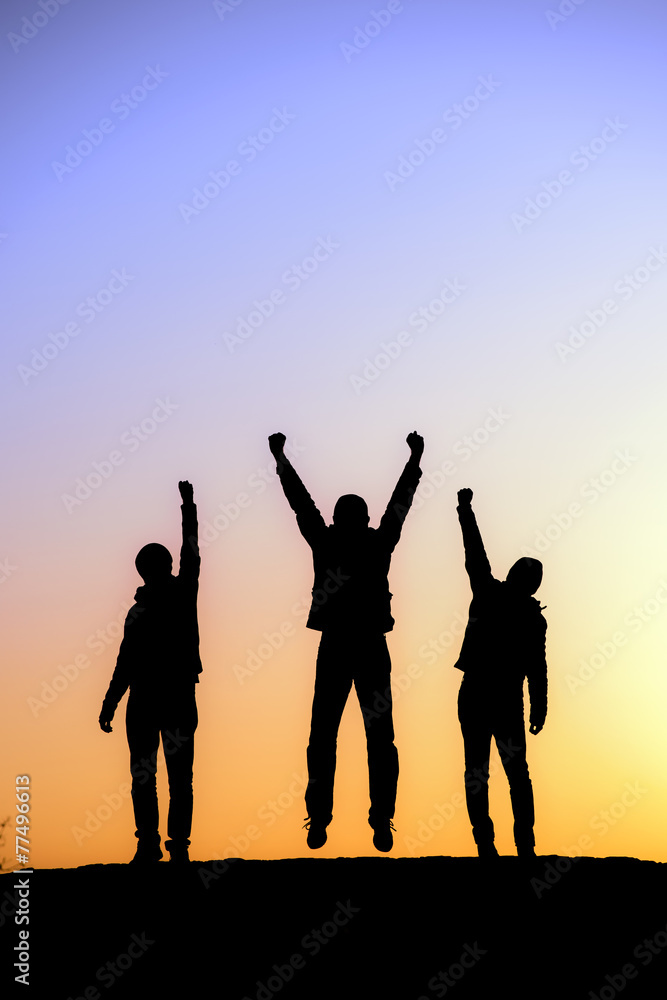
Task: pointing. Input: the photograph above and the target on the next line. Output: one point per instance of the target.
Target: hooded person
(351, 607)
(159, 662)
(504, 643)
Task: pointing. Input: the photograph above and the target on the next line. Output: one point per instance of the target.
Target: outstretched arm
(190, 559)
(401, 499)
(308, 517)
(477, 563)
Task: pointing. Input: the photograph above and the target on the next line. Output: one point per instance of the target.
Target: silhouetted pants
(484, 713)
(176, 723)
(343, 659)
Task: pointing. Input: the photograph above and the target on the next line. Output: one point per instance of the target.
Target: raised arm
(310, 521)
(477, 563)
(401, 499)
(190, 560)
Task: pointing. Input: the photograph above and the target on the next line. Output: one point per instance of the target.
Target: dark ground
(396, 929)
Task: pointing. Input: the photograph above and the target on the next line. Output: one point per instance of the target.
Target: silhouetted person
(159, 661)
(504, 643)
(351, 607)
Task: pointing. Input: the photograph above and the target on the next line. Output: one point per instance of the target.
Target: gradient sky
(510, 156)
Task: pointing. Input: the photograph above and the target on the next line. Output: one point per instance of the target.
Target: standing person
(351, 608)
(504, 643)
(159, 661)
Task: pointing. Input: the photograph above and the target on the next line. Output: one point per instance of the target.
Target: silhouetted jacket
(351, 588)
(505, 638)
(159, 655)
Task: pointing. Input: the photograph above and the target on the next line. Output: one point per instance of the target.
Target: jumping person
(504, 643)
(159, 661)
(351, 608)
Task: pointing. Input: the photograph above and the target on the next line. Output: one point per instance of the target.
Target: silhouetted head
(351, 513)
(154, 562)
(525, 575)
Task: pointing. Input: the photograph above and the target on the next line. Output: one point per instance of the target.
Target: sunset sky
(345, 223)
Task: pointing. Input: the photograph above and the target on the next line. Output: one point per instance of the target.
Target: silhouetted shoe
(383, 838)
(487, 851)
(317, 834)
(146, 856)
(179, 855)
(526, 852)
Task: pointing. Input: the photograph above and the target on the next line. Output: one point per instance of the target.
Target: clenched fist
(276, 444)
(416, 444)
